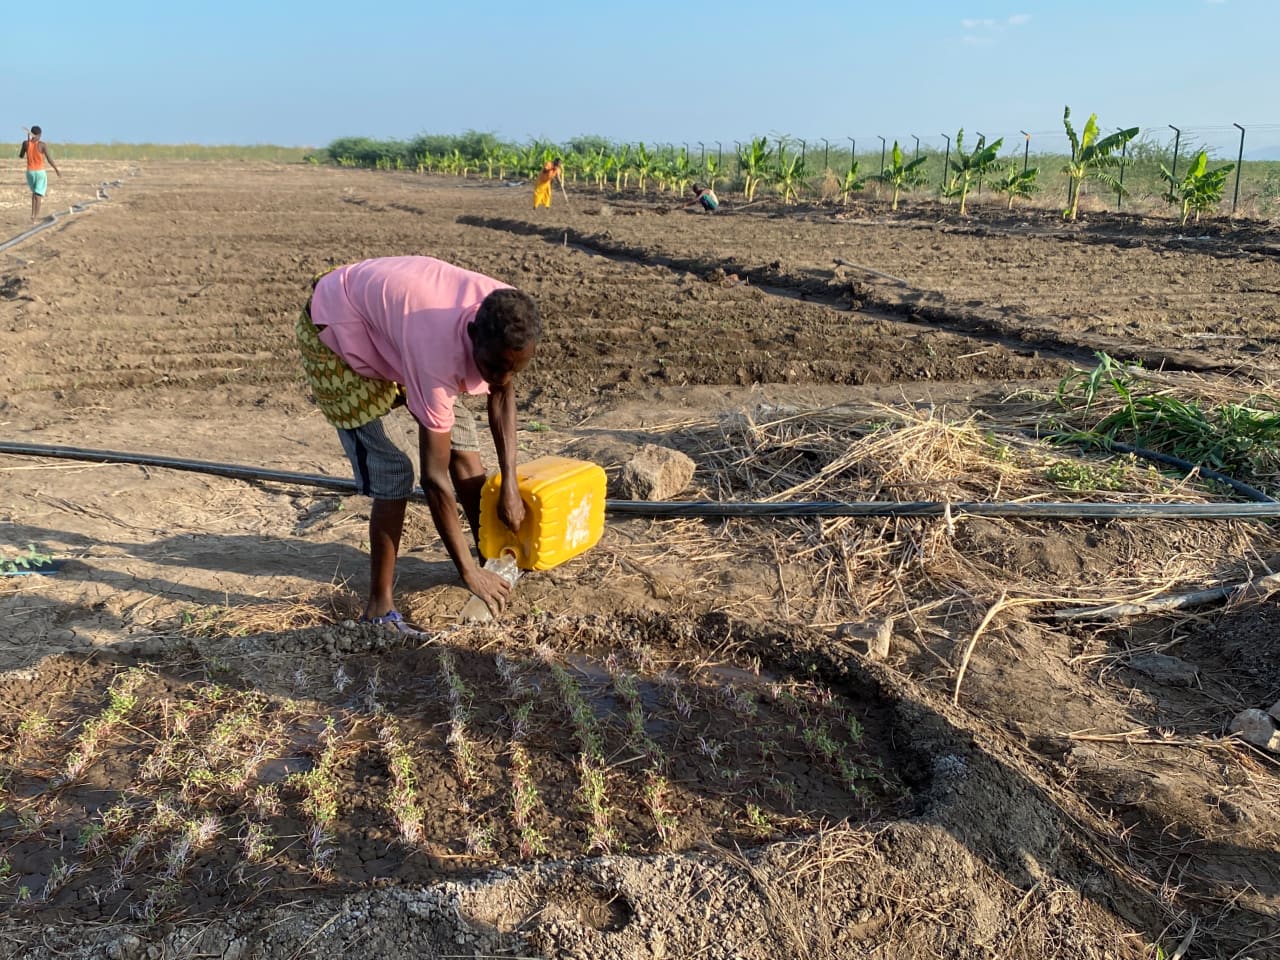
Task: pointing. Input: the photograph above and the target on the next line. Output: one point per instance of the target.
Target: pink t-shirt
(405, 319)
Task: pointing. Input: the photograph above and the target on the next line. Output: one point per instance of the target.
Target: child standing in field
(551, 172)
(704, 197)
(35, 152)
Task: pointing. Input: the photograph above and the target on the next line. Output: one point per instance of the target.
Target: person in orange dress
(551, 172)
(34, 151)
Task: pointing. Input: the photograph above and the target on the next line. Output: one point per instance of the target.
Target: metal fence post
(853, 152)
(1124, 149)
(946, 161)
(703, 157)
(1239, 163)
(1173, 171)
(982, 142)
(1026, 150)
(917, 140)
(881, 153)
(826, 153)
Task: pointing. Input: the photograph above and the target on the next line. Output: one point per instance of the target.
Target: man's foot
(393, 621)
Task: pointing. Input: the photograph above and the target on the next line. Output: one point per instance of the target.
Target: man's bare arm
(502, 424)
(435, 450)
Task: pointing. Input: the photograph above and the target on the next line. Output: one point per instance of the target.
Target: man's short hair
(510, 318)
(35, 130)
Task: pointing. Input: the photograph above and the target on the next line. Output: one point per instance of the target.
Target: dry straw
(932, 574)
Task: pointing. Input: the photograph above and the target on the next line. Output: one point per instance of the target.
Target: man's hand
(489, 587)
(511, 508)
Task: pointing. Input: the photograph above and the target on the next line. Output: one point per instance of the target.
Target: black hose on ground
(1240, 487)
(1267, 509)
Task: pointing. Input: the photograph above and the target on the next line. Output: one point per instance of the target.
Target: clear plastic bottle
(504, 565)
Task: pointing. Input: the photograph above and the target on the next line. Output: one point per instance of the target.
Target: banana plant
(621, 167)
(508, 161)
(970, 169)
(1199, 189)
(680, 173)
(753, 162)
(789, 175)
(901, 175)
(710, 172)
(536, 156)
(576, 164)
(1092, 156)
(596, 166)
(1014, 183)
(852, 183)
(492, 158)
(645, 165)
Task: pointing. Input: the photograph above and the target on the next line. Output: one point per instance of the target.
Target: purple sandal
(394, 621)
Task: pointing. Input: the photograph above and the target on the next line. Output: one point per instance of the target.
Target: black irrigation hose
(692, 509)
(55, 218)
(1240, 487)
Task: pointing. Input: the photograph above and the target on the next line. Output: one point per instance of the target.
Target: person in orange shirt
(35, 152)
(542, 186)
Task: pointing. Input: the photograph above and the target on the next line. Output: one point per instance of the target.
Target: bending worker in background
(551, 171)
(36, 153)
(418, 331)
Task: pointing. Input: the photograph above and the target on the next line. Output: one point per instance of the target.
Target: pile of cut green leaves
(1109, 405)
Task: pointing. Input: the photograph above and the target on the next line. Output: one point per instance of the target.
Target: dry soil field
(677, 745)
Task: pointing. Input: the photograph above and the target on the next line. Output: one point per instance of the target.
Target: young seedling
(657, 800)
(637, 733)
(480, 839)
(673, 694)
(591, 761)
(741, 703)
(901, 174)
(656, 789)
(31, 559)
(525, 802)
(266, 800)
(320, 800)
(403, 803)
(373, 687)
(35, 727)
(1200, 188)
(257, 842)
(758, 821)
(460, 700)
(163, 819)
(58, 878)
(1016, 184)
(121, 701)
(341, 679)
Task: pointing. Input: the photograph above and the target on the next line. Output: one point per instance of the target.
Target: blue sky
(303, 74)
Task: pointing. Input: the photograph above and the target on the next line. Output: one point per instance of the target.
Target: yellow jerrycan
(564, 512)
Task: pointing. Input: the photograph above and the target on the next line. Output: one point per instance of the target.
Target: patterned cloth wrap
(347, 399)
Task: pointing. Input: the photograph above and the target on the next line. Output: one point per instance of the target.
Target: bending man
(418, 331)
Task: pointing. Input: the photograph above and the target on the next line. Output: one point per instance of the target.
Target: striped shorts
(356, 405)
(382, 468)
